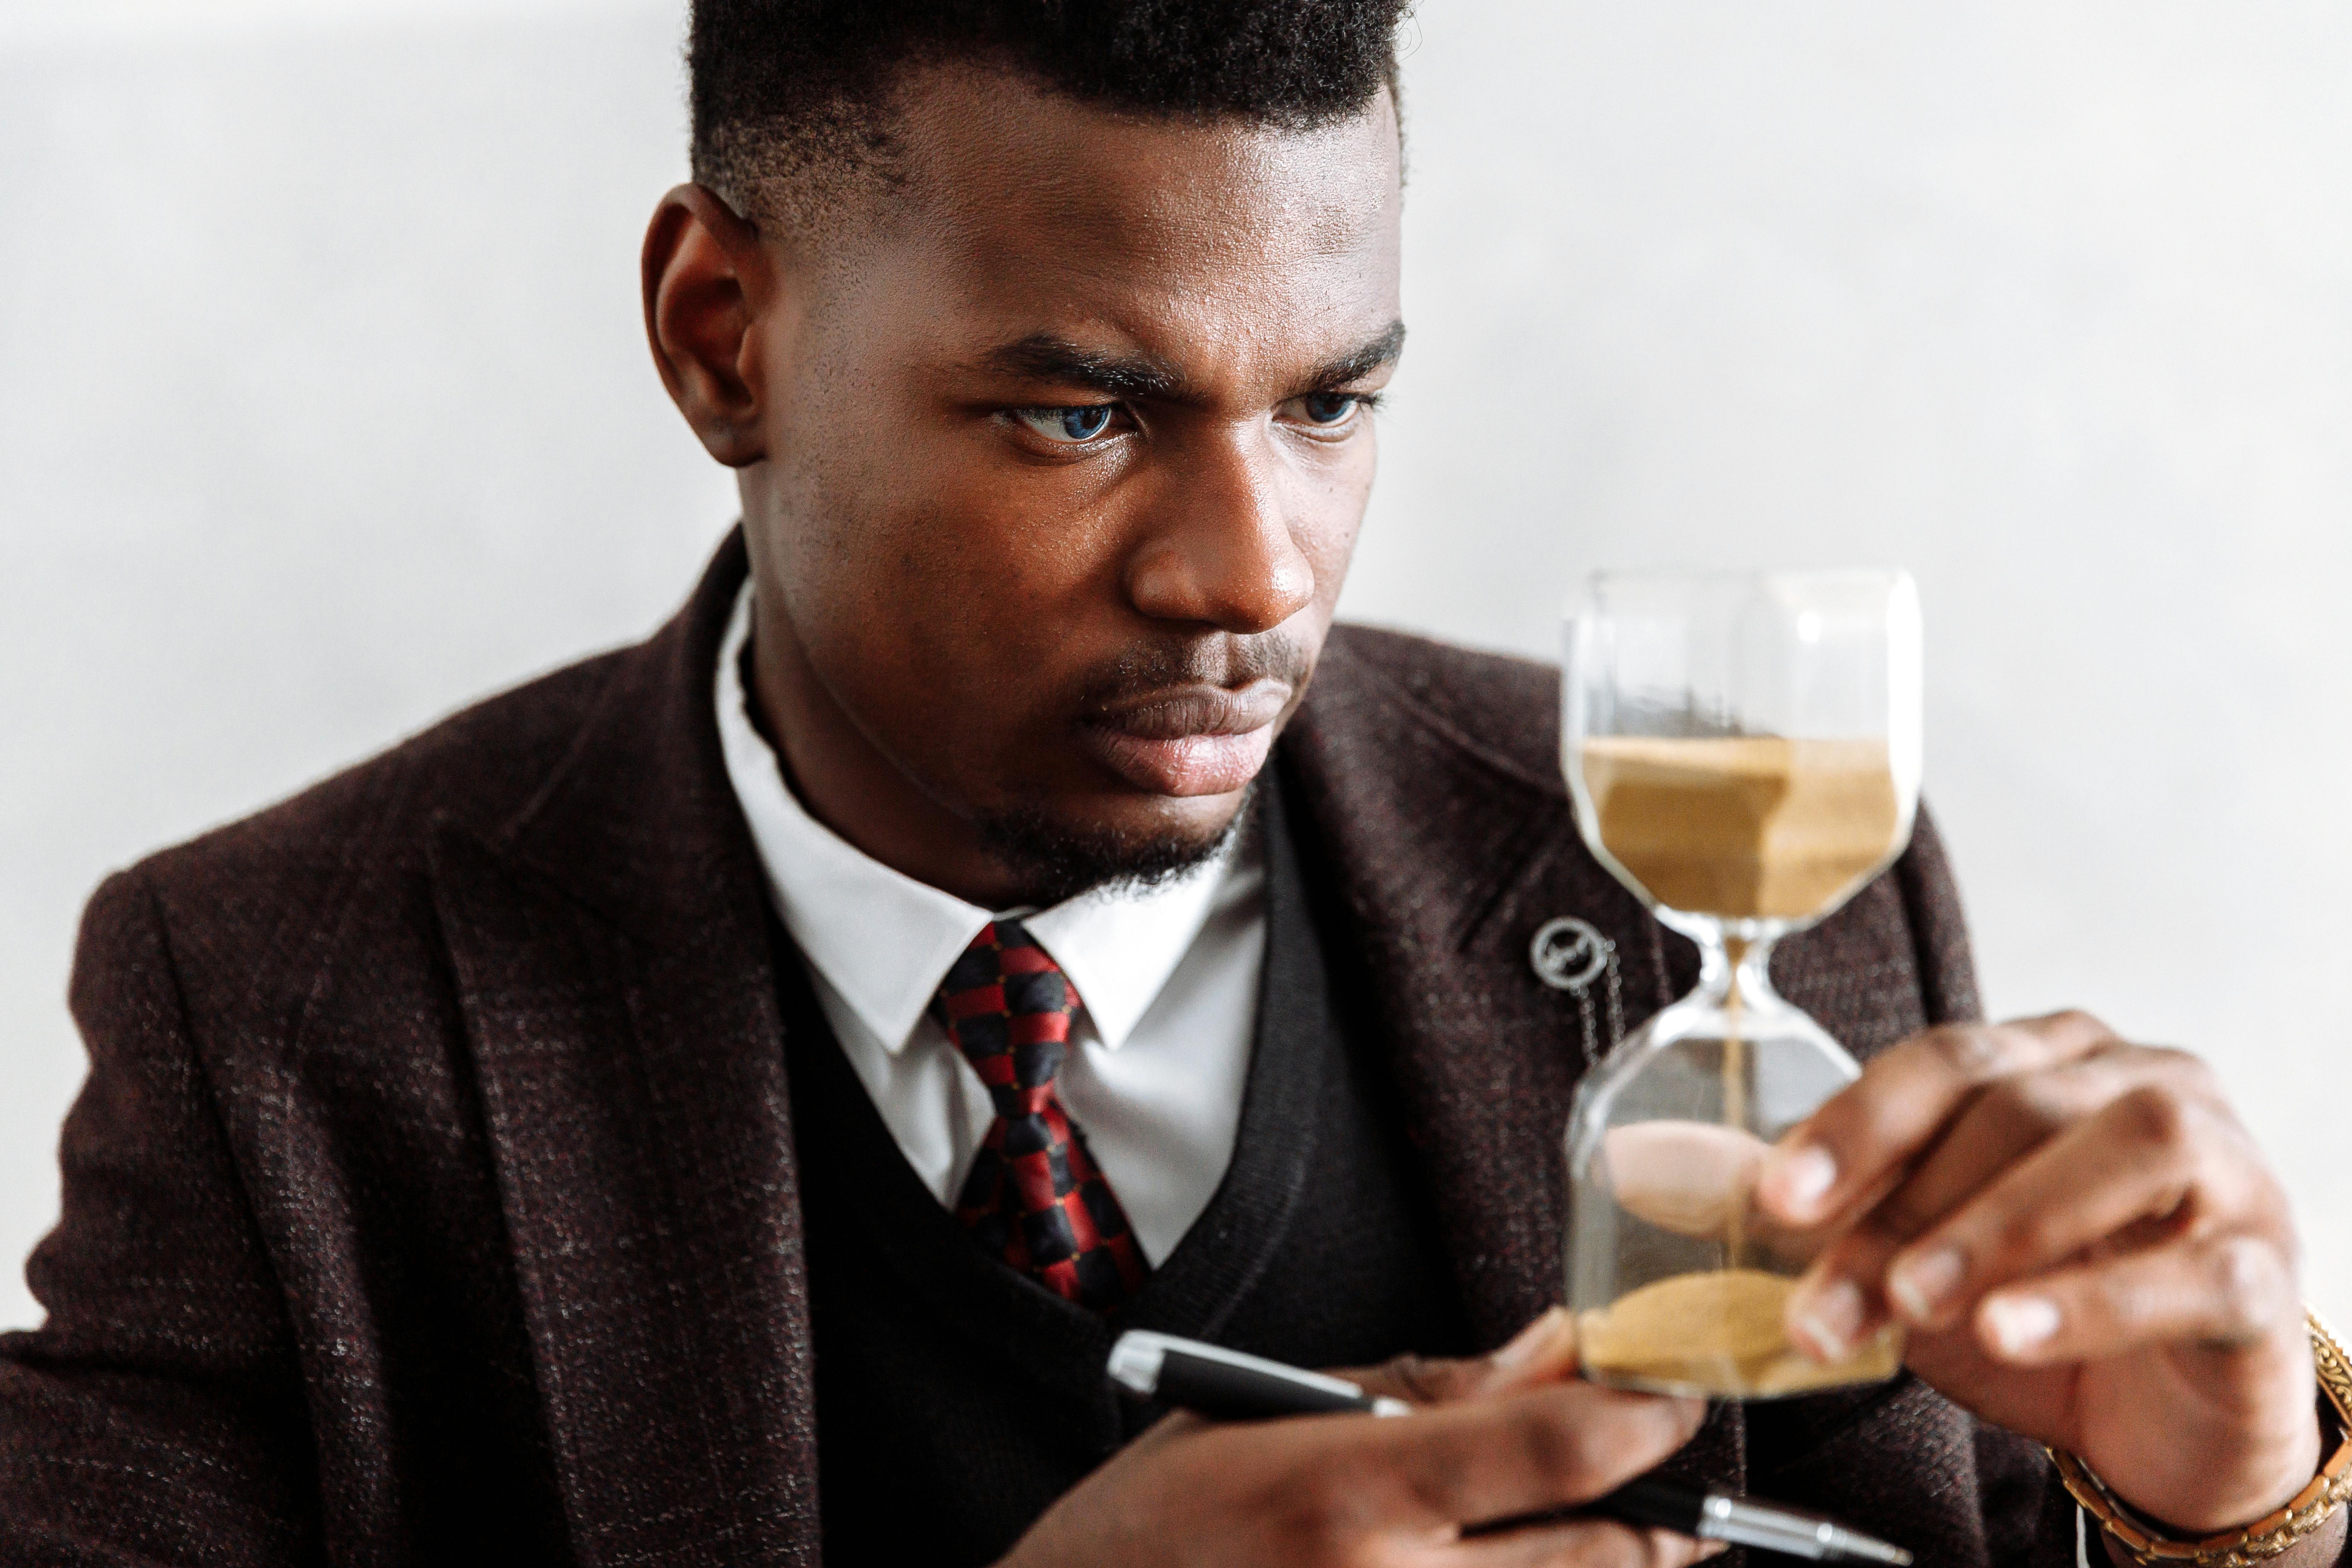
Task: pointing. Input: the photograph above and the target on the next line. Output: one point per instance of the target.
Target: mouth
(1188, 740)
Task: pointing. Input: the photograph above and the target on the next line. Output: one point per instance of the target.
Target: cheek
(1327, 534)
(933, 592)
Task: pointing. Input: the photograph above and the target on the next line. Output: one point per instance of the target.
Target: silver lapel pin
(1568, 954)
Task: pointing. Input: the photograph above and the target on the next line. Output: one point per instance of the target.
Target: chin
(1057, 854)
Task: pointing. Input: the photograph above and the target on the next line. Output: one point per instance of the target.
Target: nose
(1221, 549)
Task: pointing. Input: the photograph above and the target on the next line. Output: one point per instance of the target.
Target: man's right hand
(1509, 1435)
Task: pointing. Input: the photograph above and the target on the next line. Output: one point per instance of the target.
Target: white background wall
(323, 407)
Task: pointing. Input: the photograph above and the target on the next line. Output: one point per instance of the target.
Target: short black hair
(781, 86)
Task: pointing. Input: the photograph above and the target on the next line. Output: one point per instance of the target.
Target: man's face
(1066, 455)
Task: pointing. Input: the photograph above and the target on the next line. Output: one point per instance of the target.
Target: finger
(1903, 1098)
(1417, 1380)
(2154, 1153)
(1842, 1298)
(1692, 1178)
(2223, 1292)
(1520, 1453)
(2010, 1118)
(1583, 1544)
(1543, 1351)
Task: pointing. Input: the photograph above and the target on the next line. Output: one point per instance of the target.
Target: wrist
(2266, 1485)
(2324, 1548)
(2298, 1532)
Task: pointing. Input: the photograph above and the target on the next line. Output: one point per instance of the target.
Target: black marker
(1212, 1381)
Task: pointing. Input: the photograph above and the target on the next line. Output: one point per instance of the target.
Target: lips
(1190, 740)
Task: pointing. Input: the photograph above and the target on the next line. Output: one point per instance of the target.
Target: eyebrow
(1044, 356)
(1381, 350)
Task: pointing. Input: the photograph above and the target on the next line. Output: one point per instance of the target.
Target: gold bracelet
(2267, 1536)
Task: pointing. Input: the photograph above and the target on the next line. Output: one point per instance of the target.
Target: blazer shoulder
(1501, 706)
(255, 898)
(479, 765)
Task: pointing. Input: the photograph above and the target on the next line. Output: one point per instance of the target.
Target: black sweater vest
(955, 1399)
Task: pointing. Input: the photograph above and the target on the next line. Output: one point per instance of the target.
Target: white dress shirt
(1167, 978)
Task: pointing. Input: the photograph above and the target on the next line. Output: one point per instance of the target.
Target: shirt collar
(884, 941)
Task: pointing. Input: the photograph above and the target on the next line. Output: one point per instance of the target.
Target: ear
(706, 280)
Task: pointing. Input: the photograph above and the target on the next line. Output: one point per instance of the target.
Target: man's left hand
(2085, 1247)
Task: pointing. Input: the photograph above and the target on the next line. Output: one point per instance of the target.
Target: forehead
(1227, 247)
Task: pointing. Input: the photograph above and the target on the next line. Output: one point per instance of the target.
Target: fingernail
(1922, 1284)
(1530, 1344)
(1829, 1318)
(2021, 1322)
(1805, 1177)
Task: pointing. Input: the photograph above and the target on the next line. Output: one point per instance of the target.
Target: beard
(1056, 861)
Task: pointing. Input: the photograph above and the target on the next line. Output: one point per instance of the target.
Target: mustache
(1223, 660)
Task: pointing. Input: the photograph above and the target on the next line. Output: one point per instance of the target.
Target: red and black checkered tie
(1034, 1197)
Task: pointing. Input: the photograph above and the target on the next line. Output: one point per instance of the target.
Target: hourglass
(1744, 754)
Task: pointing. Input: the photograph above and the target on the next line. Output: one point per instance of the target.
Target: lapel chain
(1568, 954)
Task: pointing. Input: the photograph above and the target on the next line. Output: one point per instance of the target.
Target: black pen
(1212, 1381)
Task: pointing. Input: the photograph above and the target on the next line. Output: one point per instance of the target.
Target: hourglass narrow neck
(1734, 973)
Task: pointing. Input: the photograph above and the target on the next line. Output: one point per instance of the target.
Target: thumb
(1544, 1351)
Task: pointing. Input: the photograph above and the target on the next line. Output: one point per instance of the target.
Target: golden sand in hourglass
(1718, 1332)
(1743, 826)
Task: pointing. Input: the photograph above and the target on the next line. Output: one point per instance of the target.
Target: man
(606, 1128)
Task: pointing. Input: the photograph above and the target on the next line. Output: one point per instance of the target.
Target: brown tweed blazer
(432, 1197)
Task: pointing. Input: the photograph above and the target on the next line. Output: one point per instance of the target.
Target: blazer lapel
(1449, 852)
(621, 1004)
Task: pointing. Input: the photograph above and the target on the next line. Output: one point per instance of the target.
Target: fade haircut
(790, 94)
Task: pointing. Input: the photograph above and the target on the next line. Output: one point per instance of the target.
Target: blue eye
(1329, 407)
(1068, 426)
